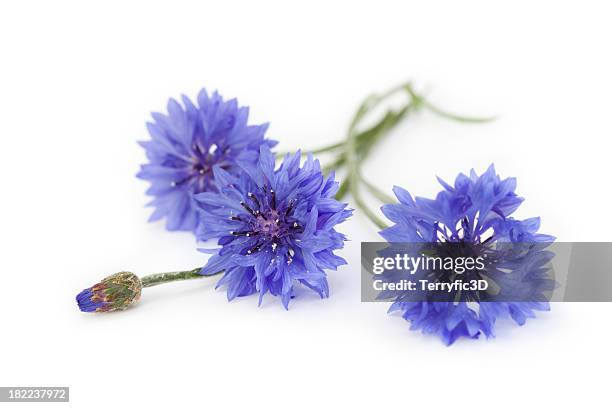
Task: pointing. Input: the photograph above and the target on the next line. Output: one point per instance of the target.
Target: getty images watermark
(486, 272)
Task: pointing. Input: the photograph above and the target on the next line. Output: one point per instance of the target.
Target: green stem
(353, 177)
(366, 135)
(359, 144)
(376, 192)
(456, 118)
(165, 277)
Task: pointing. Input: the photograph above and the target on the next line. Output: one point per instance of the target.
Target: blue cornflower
(476, 210)
(275, 228)
(184, 147)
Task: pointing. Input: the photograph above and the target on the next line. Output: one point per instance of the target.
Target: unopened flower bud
(115, 292)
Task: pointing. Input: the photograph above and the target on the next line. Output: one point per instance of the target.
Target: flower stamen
(249, 209)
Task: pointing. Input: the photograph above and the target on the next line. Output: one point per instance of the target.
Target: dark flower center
(200, 172)
(202, 168)
(464, 241)
(267, 223)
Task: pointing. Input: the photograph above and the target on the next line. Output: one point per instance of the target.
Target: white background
(77, 83)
